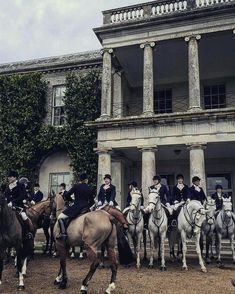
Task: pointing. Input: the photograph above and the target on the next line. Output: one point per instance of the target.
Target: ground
(42, 271)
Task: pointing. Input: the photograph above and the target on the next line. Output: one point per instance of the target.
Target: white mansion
(168, 95)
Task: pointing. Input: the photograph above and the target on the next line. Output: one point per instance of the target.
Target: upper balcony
(159, 8)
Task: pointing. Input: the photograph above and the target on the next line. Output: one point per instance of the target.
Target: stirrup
(62, 237)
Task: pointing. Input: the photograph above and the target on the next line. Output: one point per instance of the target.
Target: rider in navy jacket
(162, 190)
(180, 190)
(37, 196)
(107, 192)
(196, 192)
(218, 197)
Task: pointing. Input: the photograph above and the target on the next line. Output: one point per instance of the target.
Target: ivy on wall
(25, 140)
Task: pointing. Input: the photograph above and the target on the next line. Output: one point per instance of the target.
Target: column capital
(147, 44)
(100, 151)
(153, 148)
(195, 146)
(196, 37)
(106, 50)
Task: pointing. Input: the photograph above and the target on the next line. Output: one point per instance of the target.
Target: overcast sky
(39, 28)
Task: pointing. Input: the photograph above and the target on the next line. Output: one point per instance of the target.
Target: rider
(84, 199)
(37, 196)
(196, 192)
(179, 195)
(106, 200)
(163, 192)
(15, 195)
(218, 197)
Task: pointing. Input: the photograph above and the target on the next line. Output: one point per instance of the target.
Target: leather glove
(99, 203)
(33, 202)
(10, 204)
(111, 203)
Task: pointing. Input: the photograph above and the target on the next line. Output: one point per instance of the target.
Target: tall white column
(106, 97)
(148, 168)
(148, 82)
(117, 94)
(193, 73)
(104, 164)
(197, 162)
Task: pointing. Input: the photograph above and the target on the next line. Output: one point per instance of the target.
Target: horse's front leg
(162, 244)
(232, 246)
(208, 243)
(138, 243)
(152, 247)
(145, 244)
(219, 238)
(199, 253)
(19, 270)
(184, 245)
(24, 267)
(61, 278)
(1, 267)
(47, 235)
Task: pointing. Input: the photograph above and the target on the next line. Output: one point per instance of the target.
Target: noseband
(192, 222)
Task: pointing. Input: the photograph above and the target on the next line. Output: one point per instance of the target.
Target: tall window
(58, 115)
(163, 101)
(56, 179)
(214, 96)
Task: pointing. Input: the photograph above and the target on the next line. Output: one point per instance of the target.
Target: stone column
(148, 168)
(117, 94)
(148, 82)
(193, 73)
(106, 97)
(197, 162)
(104, 164)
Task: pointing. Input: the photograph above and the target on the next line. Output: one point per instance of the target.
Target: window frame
(212, 96)
(57, 174)
(158, 100)
(58, 107)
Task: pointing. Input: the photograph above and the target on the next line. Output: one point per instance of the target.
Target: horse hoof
(20, 288)
(16, 275)
(184, 268)
(62, 285)
(150, 266)
(83, 291)
(204, 270)
(208, 261)
(233, 282)
(163, 268)
(101, 266)
(56, 283)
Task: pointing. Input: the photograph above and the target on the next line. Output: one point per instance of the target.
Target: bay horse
(136, 223)
(93, 230)
(190, 220)
(11, 235)
(225, 227)
(157, 226)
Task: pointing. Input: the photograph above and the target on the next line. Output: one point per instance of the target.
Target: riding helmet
(83, 177)
(195, 179)
(157, 177)
(218, 187)
(179, 176)
(107, 176)
(133, 183)
(13, 174)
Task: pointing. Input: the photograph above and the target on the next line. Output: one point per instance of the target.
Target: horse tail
(124, 250)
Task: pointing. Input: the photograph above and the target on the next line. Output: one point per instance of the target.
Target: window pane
(163, 101)
(214, 96)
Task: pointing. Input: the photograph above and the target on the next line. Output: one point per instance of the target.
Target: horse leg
(152, 246)
(232, 246)
(52, 240)
(145, 244)
(162, 246)
(91, 254)
(208, 243)
(24, 267)
(219, 237)
(19, 270)
(198, 249)
(183, 239)
(201, 242)
(61, 278)
(72, 254)
(47, 235)
(101, 264)
(81, 256)
(138, 243)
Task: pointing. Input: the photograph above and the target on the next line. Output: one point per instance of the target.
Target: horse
(11, 236)
(225, 227)
(208, 227)
(157, 226)
(190, 222)
(136, 223)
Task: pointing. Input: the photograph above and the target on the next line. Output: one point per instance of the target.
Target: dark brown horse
(11, 235)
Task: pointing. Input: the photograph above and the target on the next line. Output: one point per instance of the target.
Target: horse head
(210, 207)
(197, 215)
(227, 207)
(135, 198)
(153, 199)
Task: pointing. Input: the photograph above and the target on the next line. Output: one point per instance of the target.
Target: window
(56, 179)
(214, 96)
(163, 101)
(58, 115)
(219, 179)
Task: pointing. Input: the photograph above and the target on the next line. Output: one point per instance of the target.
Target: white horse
(157, 226)
(225, 227)
(190, 221)
(208, 227)
(136, 223)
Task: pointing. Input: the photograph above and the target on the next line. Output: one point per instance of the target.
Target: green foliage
(25, 140)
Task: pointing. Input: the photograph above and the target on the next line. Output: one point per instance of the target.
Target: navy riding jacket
(196, 195)
(218, 200)
(16, 195)
(108, 194)
(164, 194)
(179, 195)
(37, 197)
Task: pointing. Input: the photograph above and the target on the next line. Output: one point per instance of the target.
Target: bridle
(210, 217)
(162, 216)
(135, 220)
(192, 221)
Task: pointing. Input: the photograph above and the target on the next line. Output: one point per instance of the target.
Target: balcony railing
(157, 8)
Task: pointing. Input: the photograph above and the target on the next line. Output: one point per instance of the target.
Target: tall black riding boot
(62, 235)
